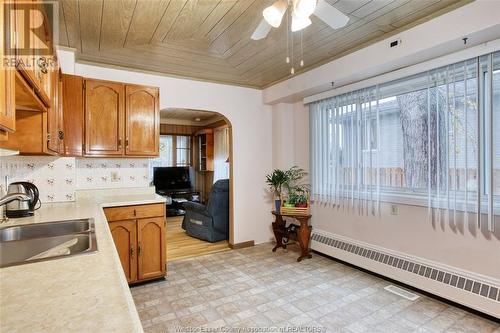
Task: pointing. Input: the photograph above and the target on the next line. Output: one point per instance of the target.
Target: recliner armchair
(210, 222)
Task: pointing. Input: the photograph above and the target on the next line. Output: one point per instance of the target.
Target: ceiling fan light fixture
(274, 14)
(304, 8)
(299, 23)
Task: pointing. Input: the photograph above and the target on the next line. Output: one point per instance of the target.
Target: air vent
(401, 292)
(453, 279)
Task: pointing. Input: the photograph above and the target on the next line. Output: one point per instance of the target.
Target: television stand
(176, 199)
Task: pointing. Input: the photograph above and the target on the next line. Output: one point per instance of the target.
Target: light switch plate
(394, 210)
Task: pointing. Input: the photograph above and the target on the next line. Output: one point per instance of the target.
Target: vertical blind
(434, 135)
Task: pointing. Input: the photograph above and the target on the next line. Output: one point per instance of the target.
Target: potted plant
(276, 180)
(297, 196)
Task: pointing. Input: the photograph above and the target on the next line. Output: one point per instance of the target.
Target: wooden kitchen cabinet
(151, 247)
(125, 237)
(142, 121)
(55, 123)
(73, 114)
(7, 83)
(139, 235)
(37, 130)
(104, 118)
(34, 71)
(121, 120)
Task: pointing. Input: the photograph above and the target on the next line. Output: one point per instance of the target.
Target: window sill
(422, 201)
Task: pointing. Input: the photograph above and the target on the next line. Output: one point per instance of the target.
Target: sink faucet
(9, 198)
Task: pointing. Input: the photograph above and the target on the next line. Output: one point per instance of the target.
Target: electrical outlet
(394, 210)
(114, 176)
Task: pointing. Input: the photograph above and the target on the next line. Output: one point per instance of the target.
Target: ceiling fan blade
(262, 30)
(330, 15)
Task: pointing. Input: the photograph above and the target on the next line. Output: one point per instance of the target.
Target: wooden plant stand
(284, 234)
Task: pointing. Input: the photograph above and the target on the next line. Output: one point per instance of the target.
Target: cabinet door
(125, 238)
(7, 77)
(53, 113)
(142, 121)
(60, 114)
(151, 247)
(104, 118)
(73, 114)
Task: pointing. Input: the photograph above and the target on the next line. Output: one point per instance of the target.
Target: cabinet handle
(135, 213)
(61, 135)
(119, 143)
(132, 251)
(126, 143)
(139, 249)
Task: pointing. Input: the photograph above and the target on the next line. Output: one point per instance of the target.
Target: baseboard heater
(330, 244)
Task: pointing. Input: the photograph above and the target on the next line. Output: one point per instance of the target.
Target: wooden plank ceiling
(210, 39)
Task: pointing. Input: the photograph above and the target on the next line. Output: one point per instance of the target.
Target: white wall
(252, 139)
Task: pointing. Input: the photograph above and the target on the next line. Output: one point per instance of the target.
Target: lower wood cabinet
(139, 240)
(125, 238)
(151, 248)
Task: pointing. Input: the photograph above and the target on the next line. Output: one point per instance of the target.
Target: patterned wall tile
(112, 173)
(57, 178)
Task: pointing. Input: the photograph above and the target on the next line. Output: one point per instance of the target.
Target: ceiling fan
(301, 10)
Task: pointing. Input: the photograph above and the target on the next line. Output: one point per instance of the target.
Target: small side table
(284, 234)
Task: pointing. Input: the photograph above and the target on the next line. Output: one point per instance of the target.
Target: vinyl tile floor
(256, 290)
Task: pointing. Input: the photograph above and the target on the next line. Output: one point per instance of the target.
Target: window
(183, 150)
(175, 150)
(221, 153)
(434, 135)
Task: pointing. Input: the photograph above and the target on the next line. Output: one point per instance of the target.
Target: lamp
(299, 23)
(274, 14)
(304, 8)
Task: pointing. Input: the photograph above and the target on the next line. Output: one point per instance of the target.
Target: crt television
(173, 178)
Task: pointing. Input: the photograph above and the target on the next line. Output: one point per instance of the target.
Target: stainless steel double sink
(29, 243)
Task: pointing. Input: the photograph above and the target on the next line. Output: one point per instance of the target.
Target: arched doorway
(203, 142)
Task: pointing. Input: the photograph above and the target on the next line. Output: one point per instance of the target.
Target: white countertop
(82, 293)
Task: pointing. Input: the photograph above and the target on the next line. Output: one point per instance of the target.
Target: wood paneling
(104, 131)
(125, 237)
(73, 114)
(169, 129)
(142, 121)
(151, 247)
(210, 40)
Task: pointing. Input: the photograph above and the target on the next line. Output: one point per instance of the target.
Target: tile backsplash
(111, 173)
(57, 178)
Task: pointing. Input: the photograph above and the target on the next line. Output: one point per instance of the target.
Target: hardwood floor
(182, 246)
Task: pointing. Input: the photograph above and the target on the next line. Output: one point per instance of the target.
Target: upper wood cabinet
(73, 114)
(121, 120)
(35, 73)
(37, 128)
(142, 121)
(55, 124)
(7, 83)
(104, 118)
